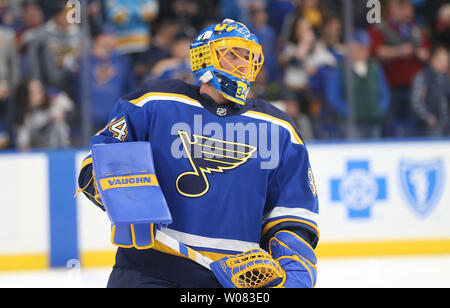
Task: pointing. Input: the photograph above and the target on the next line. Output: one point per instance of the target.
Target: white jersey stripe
(209, 242)
(297, 212)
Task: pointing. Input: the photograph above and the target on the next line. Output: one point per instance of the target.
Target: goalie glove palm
(251, 269)
(296, 257)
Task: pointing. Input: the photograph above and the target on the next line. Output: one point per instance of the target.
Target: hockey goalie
(209, 191)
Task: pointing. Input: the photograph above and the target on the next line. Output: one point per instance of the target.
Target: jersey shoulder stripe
(173, 86)
(263, 110)
(182, 92)
(164, 96)
(163, 90)
(295, 138)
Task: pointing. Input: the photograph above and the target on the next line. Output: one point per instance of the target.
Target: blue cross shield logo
(422, 184)
(358, 189)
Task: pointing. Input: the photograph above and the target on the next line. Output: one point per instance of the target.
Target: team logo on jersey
(207, 156)
(422, 184)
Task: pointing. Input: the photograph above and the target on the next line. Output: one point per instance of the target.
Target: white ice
(385, 272)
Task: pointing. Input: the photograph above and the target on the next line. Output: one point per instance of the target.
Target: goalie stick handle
(183, 249)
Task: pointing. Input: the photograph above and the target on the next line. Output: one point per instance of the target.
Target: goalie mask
(229, 57)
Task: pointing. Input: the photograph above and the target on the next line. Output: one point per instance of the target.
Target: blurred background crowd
(59, 79)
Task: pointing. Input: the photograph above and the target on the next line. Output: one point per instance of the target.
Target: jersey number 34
(119, 129)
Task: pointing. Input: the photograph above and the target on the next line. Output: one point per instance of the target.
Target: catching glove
(252, 269)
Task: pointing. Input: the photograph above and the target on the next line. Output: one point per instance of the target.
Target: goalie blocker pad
(130, 192)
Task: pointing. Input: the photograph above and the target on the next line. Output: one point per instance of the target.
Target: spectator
(4, 138)
(370, 90)
(9, 79)
(419, 11)
(131, 20)
(360, 10)
(110, 76)
(330, 40)
(312, 11)
(301, 41)
(239, 10)
(230, 9)
(41, 117)
(331, 37)
(178, 66)
(326, 120)
(48, 7)
(33, 19)
(309, 10)
(301, 120)
(402, 47)
(162, 41)
(301, 59)
(95, 15)
(278, 11)
(16, 8)
(259, 26)
(431, 93)
(53, 53)
(191, 13)
(6, 14)
(442, 26)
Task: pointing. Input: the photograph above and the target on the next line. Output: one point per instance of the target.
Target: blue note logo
(359, 189)
(422, 184)
(209, 156)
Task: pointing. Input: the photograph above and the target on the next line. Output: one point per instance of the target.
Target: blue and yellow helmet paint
(210, 48)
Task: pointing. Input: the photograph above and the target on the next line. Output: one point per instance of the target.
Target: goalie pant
(221, 206)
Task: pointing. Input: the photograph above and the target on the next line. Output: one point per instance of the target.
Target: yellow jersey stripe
(87, 161)
(295, 138)
(153, 96)
(270, 225)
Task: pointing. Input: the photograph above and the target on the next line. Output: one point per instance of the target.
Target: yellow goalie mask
(229, 57)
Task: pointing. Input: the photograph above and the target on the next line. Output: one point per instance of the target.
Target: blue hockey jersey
(232, 175)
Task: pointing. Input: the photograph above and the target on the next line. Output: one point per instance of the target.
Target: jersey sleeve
(127, 123)
(292, 201)
(87, 184)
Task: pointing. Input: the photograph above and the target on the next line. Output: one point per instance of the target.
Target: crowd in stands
(391, 79)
